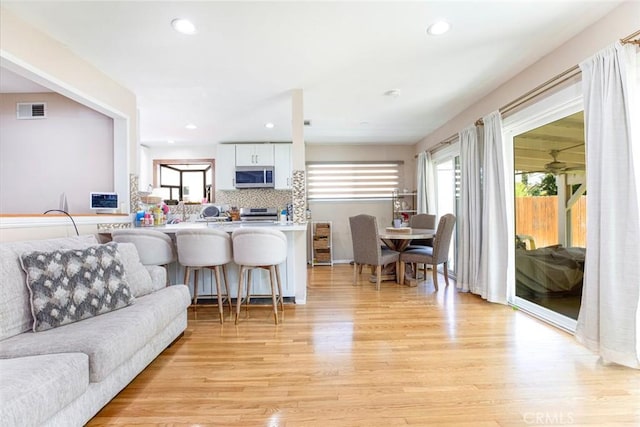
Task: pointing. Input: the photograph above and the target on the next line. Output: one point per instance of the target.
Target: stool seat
(154, 247)
(263, 248)
(206, 248)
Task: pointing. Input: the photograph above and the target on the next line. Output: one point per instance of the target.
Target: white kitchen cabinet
(225, 166)
(254, 155)
(282, 167)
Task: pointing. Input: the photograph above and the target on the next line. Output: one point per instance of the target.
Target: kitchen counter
(294, 269)
(228, 226)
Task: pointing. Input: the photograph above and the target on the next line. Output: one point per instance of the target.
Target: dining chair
(427, 221)
(367, 249)
(438, 254)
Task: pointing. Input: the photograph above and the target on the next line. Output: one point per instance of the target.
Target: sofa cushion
(68, 285)
(138, 276)
(34, 388)
(109, 339)
(15, 308)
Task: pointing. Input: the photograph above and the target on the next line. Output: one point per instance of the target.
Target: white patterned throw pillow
(74, 284)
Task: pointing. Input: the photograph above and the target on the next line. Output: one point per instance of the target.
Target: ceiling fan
(556, 166)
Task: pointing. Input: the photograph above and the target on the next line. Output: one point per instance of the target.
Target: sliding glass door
(447, 177)
(550, 209)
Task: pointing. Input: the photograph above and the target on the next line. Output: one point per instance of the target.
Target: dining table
(398, 239)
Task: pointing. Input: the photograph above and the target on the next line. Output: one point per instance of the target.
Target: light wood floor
(356, 357)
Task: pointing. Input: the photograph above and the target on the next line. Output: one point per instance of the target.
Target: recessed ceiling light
(191, 126)
(364, 123)
(183, 26)
(170, 141)
(393, 93)
(438, 28)
(269, 125)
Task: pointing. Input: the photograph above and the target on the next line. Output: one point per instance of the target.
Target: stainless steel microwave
(254, 177)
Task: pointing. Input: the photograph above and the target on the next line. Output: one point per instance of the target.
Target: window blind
(352, 180)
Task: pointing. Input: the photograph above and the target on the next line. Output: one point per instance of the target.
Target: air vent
(31, 110)
(307, 122)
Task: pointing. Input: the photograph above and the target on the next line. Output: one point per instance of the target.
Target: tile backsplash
(254, 198)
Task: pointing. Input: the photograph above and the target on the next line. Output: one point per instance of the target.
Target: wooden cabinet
(282, 166)
(254, 155)
(225, 166)
(404, 205)
(321, 237)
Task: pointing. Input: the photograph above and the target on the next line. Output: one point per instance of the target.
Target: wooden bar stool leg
(187, 270)
(248, 298)
(239, 297)
(227, 288)
(216, 269)
(280, 294)
(195, 286)
(272, 279)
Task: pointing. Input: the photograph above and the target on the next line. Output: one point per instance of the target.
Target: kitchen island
(293, 270)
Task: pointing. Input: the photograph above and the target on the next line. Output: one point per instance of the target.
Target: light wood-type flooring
(353, 356)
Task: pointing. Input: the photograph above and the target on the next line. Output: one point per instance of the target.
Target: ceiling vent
(31, 110)
(307, 122)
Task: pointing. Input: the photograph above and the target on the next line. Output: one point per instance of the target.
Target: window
(352, 180)
(184, 180)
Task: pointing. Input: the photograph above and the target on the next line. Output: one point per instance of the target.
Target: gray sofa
(63, 376)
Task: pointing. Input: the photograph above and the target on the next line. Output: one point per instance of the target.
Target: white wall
(621, 22)
(339, 212)
(70, 151)
(30, 53)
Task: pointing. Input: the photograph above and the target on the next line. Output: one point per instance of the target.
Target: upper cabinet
(225, 166)
(282, 166)
(254, 154)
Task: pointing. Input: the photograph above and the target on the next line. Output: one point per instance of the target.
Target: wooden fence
(538, 217)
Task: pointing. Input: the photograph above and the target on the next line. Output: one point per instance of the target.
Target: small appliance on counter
(269, 215)
(213, 213)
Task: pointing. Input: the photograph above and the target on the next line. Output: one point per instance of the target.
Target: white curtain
(609, 319)
(470, 214)
(425, 184)
(495, 264)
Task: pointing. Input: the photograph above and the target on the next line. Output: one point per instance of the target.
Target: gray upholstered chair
(426, 221)
(265, 248)
(367, 250)
(154, 247)
(438, 254)
(210, 249)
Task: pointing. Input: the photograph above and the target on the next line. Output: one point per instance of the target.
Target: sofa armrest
(158, 276)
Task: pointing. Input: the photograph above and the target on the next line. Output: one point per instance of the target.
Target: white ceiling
(237, 72)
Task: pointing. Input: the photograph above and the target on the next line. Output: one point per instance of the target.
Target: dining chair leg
(403, 266)
(435, 277)
(445, 266)
(378, 276)
(355, 273)
(216, 270)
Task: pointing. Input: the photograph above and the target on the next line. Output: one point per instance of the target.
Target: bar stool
(206, 248)
(154, 247)
(263, 248)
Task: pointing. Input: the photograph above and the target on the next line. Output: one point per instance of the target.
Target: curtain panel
(609, 318)
(470, 215)
(496, 268)
(425, 183)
